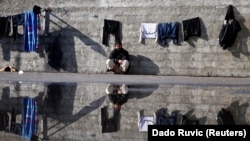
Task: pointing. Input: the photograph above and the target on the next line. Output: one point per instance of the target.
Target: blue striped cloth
(31, 30)
(29, 118)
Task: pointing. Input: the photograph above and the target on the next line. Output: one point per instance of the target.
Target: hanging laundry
(191, 27)
(230, 29)
(31, 30)
(5, 26)
(17, 20)
(148, 30)
(168, 31)
(111, 27)
(29, 118)
(37, 9)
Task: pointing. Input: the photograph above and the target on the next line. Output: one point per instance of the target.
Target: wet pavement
(73, 111)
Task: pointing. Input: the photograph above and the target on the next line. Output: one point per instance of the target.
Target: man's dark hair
(118, 43)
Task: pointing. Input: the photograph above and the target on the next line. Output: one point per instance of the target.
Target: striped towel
(31, 30)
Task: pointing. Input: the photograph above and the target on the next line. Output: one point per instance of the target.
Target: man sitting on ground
(118, 61)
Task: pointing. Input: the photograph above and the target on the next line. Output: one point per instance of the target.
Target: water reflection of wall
(76, 114)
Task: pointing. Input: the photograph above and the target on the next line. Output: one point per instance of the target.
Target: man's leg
(110, 64)
(124, 66)
(124, 89)
(110, 88)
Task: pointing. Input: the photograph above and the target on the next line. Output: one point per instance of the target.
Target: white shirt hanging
(148, 30)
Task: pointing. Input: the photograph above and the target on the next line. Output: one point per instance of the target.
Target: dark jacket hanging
(230, 29)
(191, 27)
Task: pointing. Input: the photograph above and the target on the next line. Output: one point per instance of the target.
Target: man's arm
(125, 55)
(113, 56)
(124, 98)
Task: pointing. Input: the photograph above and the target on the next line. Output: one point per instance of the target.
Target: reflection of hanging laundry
(29, 118)
(163, 119)
(13, 128)
(144, 121)
(17, 20)
(111, 27)
(31, 30)
(109, 124)
(5, 25)
(148, 30)
(191, 27)
(168, 31)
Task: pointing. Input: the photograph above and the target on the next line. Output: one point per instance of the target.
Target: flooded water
(72, 111)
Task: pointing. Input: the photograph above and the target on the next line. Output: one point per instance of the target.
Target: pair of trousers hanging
(111, 27)
(191, 27)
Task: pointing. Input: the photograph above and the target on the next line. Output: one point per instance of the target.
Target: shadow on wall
(141, 91)
(9, 45)
(240, 45)
(239, 112)
(60, 55)
(142, 65)
(61, 52)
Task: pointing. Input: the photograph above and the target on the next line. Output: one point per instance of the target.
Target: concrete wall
(75, 37)
(73, 112)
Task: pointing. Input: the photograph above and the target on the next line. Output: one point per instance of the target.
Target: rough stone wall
(72, 39)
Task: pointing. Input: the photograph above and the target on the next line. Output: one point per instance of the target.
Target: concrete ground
(129, 79)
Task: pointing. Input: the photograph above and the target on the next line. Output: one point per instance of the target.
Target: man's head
(117, 106)
(118, 45)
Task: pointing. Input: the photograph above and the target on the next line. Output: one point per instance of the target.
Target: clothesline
(30, 20)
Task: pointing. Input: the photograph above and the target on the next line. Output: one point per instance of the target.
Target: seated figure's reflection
(118, 95)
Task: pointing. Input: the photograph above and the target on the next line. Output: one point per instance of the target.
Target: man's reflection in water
(118, 95)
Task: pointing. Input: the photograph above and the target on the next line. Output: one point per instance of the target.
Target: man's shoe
(108, 70)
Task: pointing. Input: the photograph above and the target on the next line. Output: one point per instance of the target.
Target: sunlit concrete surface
(130, 79)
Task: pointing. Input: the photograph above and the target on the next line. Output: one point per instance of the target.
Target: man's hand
(120, 61)
(119, 91)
